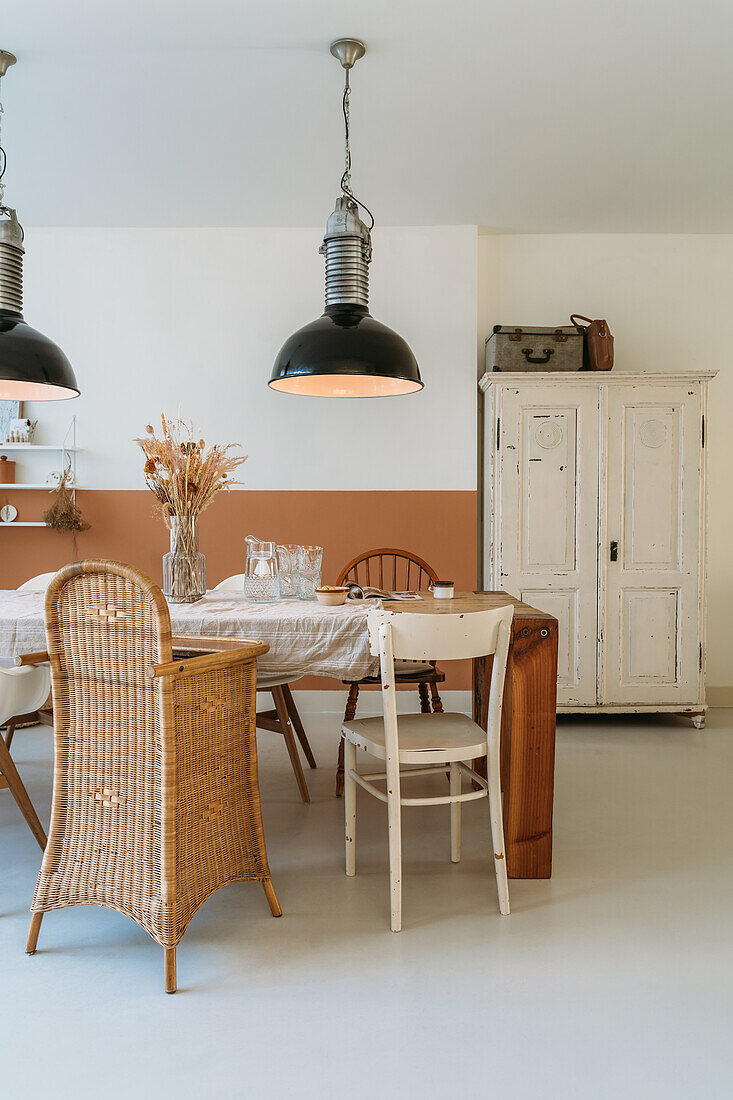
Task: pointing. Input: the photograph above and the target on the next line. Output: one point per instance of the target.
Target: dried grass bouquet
(182, 472)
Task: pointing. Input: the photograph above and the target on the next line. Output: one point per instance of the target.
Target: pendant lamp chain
(3, 158)
(346, 178)
(3, 165)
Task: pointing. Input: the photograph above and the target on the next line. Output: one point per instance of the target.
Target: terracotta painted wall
(440, 526)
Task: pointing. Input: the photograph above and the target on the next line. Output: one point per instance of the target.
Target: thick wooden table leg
(528, 742)
(9, 773)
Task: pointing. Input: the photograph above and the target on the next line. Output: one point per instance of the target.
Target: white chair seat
(424, 738)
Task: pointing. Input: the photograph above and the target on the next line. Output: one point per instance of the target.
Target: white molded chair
(279, 720)
(22, 718)
(36, 584)
(22, 691)
(430, 741)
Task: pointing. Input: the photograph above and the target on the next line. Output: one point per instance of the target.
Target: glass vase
(184, 568)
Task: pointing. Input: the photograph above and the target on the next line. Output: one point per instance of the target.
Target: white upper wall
(162, 320)
(667, 301)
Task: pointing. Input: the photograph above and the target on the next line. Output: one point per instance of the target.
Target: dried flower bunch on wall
(63, 515)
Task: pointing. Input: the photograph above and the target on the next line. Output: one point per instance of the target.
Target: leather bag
(597, 343)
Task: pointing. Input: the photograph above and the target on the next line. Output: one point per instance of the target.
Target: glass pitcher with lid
(261, 573)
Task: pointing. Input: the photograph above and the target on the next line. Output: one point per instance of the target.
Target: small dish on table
(332, 595)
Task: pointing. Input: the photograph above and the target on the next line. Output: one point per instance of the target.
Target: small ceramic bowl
(332, 595)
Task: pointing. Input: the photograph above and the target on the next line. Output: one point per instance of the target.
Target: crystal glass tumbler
(310, 559)
(309, 571)
(287, 560)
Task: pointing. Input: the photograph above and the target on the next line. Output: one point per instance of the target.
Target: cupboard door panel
(653, 482)
(548, 519)
(651, 629)
(548, 459)
(649, 635)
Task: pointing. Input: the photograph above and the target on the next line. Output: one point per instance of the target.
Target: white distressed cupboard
(593, 509)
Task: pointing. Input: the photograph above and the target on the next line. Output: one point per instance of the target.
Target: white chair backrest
(37, 584)
(438, 637)
(446, 637)
(23, 690)
(231, 584)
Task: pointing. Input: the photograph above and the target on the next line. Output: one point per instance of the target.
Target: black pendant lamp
(346, 353)
(32, 367)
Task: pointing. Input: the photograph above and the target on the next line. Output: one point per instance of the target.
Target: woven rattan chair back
(396, 570)
(155, 796)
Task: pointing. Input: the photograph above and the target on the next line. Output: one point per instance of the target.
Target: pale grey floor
(611, 980)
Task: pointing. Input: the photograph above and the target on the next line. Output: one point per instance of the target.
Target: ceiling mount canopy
(346, 352)
(32, 367)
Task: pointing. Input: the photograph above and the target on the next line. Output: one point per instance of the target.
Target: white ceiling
(524, 115)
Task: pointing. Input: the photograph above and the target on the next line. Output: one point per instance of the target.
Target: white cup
(442, 590)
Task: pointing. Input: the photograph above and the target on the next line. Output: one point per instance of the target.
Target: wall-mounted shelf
(37, 447)
(68, 451)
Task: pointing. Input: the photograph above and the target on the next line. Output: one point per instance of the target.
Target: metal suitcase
(534, 349)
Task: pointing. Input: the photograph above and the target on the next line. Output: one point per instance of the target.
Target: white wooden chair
(22, 691)
(430, 741)
(284, 718)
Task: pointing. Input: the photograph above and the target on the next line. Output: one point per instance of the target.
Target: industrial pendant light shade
(346, 352)
(32, 367)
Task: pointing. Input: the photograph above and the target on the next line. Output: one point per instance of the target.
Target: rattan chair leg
(271, 896)
(298, 726)
(9, 733)
(35, 927)
(169, 969)
(287, 730)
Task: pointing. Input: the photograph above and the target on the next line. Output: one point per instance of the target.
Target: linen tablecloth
(303, 636)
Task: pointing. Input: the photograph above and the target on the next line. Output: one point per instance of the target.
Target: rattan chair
(396, 571)
(156, 798)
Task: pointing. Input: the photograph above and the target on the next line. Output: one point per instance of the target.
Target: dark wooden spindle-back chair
(396, 571)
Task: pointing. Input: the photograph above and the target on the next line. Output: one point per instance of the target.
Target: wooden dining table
(305, 638)
(528, 720)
